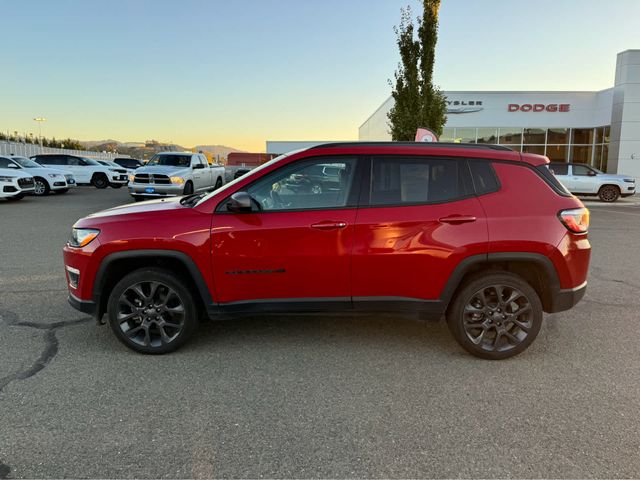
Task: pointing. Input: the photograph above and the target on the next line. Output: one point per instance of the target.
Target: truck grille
(25, 182)
(151, 178)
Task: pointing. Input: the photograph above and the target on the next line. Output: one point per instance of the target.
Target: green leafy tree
(417, 102)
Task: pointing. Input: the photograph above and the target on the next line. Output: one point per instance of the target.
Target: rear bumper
(565, 299)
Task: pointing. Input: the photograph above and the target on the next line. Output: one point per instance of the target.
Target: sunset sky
(241, 72)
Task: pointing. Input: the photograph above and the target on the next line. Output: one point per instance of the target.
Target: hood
(15, 172)
(46, 171)
(162, 169)
(613, 176)
(163, 204)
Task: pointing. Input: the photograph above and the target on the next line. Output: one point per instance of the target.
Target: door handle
(458, 219)
(328, 225)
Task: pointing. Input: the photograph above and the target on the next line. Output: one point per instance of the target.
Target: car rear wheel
(609, 193)
(100, 181)
(41, 187)
(188, 189)
(495, 316)
(151, 311)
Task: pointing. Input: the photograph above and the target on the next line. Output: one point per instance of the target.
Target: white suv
(584, 180)
(46, 179)
(14, 183)
(85, 170)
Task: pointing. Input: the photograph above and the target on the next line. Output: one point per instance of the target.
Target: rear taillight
(576, 220)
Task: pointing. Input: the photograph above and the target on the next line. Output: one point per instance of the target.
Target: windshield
(26, 162)
(250, 174)
(171, 160)
(90, 161)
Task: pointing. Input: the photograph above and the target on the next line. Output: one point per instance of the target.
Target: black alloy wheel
(100, 181)
(151, 311)
(495, 316)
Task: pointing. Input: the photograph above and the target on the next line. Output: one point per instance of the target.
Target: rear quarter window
(484, 177)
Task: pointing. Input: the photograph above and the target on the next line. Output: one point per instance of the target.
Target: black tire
(609, 193)
(218, 183)
(64, 190)
(143, 320)
(100, 181)
(188, 188)
(15, 198)
(498, 329)
(42, 187)
(116, 185)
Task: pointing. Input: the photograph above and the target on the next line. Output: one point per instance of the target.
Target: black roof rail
(482, 146)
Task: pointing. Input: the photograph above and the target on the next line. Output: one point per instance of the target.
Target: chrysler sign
(539, 107)
(463, 106)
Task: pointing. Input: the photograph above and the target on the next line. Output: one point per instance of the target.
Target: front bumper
(155, 190)
(85, 306)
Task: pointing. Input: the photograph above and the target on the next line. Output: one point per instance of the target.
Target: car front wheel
(151, 311)
(495, 316)
(41, 187)
(100, 181)
(609, 193)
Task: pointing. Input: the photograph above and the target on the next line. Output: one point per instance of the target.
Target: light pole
(40, 121)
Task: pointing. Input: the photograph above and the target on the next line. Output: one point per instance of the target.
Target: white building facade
(600, 128)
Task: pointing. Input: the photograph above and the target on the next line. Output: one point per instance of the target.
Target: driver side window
(315, 184)
(581, 170)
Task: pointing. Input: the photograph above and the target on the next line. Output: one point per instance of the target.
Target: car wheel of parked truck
(188, 188)
(495, 316)
(151, 311)
(218, 184)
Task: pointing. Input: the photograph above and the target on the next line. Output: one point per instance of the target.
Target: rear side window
(552, 181)
(559, 168)
(416, 180)
(484, 177)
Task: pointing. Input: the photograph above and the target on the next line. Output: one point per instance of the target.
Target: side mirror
(240, 202)
(12, 165)
(198, 166)
(592, 173)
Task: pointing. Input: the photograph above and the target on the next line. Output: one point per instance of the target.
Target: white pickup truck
(170, 174)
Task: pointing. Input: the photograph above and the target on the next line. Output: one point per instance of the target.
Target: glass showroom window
(487, 135)
(557, 153)
(510, 136)
(537, 149)
(558, 136)
(448, 135)
(582, 136)
(581, 154)
(465, 135)
(535, 136)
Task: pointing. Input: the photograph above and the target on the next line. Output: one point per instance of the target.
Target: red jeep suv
(480, 234)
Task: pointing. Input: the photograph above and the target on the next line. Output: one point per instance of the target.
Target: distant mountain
(214, 150)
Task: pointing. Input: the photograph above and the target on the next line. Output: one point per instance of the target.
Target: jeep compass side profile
(479, 234)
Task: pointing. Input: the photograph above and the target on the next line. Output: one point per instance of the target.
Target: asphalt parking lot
(303, 396)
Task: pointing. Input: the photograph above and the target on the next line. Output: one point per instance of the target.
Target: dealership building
(599, 128)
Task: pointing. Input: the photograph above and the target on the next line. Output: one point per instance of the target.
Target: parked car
(129, 163)
(46, 179)
(441, 229)
(116, 168)
(85, 170)
(175, 173)
(15, 183)
(584, 180)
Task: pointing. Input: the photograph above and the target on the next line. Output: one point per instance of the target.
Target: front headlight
(4, 178)
(81, 237)
(131, 177)
(177, 180)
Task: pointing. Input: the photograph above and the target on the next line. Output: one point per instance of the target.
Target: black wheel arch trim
(185, 259)
(465, 266)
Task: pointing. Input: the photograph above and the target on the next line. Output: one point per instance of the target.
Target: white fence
(27, 150)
